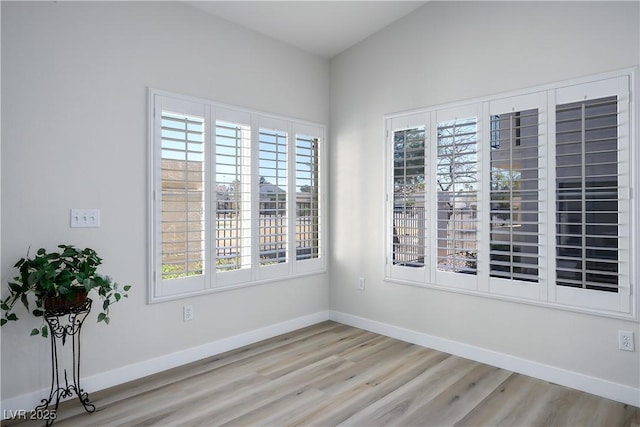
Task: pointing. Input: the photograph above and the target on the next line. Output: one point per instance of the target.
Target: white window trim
(622, 305)
(164, 290)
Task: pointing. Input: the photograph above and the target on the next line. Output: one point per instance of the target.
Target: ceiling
(323, 28)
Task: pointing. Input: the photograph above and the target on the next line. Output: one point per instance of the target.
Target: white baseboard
(575, 380)
(135, 371)
(596, 386)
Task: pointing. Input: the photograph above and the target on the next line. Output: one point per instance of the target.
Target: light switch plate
(85, 218)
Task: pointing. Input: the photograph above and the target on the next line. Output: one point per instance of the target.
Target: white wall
(74, 78)
(444, 52)
(74, 103)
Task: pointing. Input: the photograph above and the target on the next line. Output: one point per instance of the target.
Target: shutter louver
(307, 198)
(457, 187)
(587, 194)
(515, 196)
(183, 195)
(409, 234)
(233, 197)
(529, 195)
(272, 227)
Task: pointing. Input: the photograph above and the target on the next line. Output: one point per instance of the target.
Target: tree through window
(457, 186)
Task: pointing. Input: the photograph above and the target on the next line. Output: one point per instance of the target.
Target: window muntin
(514, 196)
(587, 210)
(457, 187)
(409, 197)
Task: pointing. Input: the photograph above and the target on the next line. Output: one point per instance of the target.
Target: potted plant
(59, 281)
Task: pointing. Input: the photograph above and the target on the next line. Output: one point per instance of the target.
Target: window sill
(226, 288)
(518, 300)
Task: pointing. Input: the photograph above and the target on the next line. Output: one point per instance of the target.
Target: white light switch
(85, 218)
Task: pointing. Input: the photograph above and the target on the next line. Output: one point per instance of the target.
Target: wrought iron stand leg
(55, 380)
(60, 331)
(83, 396)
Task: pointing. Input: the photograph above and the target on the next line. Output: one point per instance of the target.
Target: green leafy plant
(67, 274)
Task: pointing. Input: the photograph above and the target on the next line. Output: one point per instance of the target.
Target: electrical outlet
(361, 283)
(187, 313)
(625, 341)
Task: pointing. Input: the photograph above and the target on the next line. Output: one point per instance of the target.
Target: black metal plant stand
(64, 323)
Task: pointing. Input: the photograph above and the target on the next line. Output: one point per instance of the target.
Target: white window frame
(211, 280)
(621, 304)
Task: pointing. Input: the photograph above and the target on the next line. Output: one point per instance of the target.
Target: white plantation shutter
(409, 180)
(457, 180)
(232, 197)
(592, 211)
(307, 193)
(587, 194)
(514, 196)
(526, 196)
(517, 202)
(182, 195)
(234, 201)
(408, 202)
(274, 188)
(457, 185)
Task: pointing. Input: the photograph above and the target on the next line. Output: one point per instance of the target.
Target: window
(408, 197)
(592, 192)
(307, 197)
(529, 192)
(182, 170)
(409, 220)
(233, 196)
(587, 239)
(514, 196)
(236, 197)
(272, 227)
(457, 189)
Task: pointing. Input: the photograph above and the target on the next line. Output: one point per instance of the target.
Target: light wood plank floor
(331, 374)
